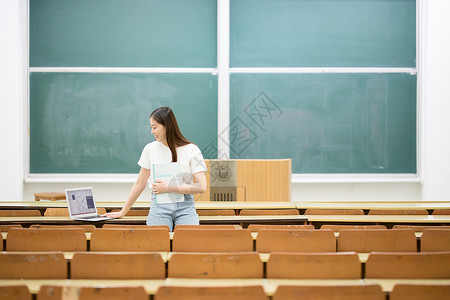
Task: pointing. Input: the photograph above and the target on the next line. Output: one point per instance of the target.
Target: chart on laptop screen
(81, 202)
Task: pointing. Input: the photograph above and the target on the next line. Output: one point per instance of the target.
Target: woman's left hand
(159, 187)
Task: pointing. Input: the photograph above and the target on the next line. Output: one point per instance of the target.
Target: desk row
(166, 256)
(319, 209)
(221, 289)
(254, 228)
(237, 265)
(252, 205)
(226, 240)
(245, 221)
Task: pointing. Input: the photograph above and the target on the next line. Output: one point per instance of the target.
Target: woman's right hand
(114, 215)
(136, 190)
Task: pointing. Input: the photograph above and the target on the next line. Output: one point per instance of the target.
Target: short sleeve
(197, 163)
(145, 160)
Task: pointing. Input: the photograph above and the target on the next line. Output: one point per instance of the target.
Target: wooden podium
(255, 180)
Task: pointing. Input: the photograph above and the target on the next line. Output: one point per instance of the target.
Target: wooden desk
(196, 282)
(150, 286)
(166, 256)
(372, 201)
(316, 220)
(42, 206)
(52, 196)
(427, 204)
(269, 285)
(370, 205)
(265, 257)
(387, 285)
(109, 205)
(244, 221)
(237, 220)
(388, 220)
(254, 235)
(88, 235)
(238, 205)
(417, 234)
(69, 255)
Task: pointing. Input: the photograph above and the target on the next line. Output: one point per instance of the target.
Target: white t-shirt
(156, 152)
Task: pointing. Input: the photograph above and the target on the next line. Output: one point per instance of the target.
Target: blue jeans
(172, 214)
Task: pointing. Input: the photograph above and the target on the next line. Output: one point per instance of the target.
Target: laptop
(82, 206)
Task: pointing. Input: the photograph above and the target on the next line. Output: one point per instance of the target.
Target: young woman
(170, 146)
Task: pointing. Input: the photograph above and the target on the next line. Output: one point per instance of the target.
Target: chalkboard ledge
(81, 178)
(354, 178)
(295, 178)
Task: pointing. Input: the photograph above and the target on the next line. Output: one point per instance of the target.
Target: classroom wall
(435, 107)
(436, 101)
(11, 104)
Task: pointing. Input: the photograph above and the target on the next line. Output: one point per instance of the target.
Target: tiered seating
(6, 228)
(314, 266)
(267, 212)
(312, 211)
(337, 228)
(135, 239)
(258, 227)
(441, 212)
(274, 252)
(215, 212)
(219, 226)
(91, 265)
(86, 227)
(419, 228)
(32, 265)
(211, 293)
(49, 292)
(16, 292)
(64, 211)
(295, 240)
(420, 292)
(398, 212)
(217, 240)
(215, 265)
(435, 240)
(58, 239)
(123, 226)
(360, 292)
(408, 265)
(368, 240)
(20, 213)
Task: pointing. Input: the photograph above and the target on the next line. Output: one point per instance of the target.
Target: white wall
(436, 101)
(436, 107)
(11, 93)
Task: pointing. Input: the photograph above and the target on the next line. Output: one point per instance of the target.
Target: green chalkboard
(99, 123)
(123, 33)
(327, 123)
(323, 33)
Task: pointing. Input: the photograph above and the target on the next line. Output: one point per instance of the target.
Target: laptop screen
(81, 201)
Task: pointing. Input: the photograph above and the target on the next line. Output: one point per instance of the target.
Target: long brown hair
(165, 116)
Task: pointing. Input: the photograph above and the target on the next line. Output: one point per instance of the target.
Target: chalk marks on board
(377, 123)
